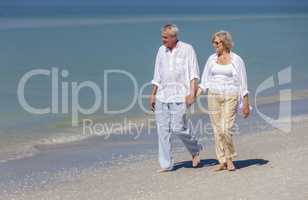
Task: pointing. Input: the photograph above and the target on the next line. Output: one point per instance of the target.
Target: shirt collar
(178, 44)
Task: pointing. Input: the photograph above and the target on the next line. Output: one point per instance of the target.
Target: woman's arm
(244, 87)
(205, 77)
(199, 92)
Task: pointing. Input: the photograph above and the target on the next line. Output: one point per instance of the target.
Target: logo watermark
(65, 105)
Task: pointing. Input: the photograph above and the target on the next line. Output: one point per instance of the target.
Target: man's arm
(193, 76)
(190, 99)
(155, 83)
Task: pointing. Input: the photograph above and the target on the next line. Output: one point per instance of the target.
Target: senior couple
(175, 88)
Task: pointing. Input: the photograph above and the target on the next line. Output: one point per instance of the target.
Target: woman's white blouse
(225, 79)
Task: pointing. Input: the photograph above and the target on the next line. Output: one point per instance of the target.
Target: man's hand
(153, 97)
(152, 102)
(246, 110)
(190, 99)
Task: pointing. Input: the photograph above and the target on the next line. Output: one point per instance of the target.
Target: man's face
(168, 39)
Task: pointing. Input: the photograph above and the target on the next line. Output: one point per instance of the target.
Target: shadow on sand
(239, 164)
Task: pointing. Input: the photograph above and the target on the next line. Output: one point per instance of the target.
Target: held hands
(190, 99)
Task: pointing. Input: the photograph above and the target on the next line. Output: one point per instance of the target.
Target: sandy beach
(271, 165)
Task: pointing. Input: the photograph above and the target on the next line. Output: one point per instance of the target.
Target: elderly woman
(224, 76)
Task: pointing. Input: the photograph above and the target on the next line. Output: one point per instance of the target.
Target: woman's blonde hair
(225, 38)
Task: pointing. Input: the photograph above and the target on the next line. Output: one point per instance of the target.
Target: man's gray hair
(172, 27)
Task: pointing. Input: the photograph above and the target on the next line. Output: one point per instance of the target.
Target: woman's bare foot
(230, 165)
(196, 161)
(220, 167)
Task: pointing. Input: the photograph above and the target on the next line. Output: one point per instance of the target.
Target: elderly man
(174, 88)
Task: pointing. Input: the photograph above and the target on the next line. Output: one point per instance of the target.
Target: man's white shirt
(174, 70)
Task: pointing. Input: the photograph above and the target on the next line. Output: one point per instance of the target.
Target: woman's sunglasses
(216, 43)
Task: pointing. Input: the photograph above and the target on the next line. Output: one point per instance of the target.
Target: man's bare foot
(220, 167)
(196, 161)
(230, 165)
(162, 170)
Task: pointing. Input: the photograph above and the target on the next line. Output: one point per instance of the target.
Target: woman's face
(218, 45)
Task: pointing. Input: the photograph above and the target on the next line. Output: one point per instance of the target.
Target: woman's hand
(246, 110)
